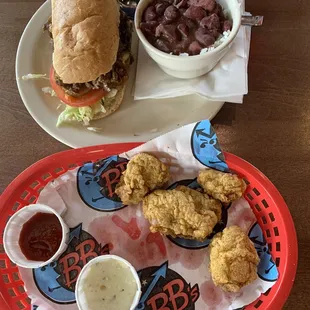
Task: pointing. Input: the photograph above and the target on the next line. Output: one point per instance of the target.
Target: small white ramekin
(187, 67)
(13, 229)
(81, 303)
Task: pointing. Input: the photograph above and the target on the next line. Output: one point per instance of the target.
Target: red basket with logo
(268, 205)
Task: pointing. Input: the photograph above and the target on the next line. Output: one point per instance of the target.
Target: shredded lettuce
(75, 114)
(72, 114)
(83, 114)
(49, 90)
(125, 57)
(31, 76)
(111, 94)
(95, 129)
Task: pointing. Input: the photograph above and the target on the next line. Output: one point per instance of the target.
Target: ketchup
(40, 237)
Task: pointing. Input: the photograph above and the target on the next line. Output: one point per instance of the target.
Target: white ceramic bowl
(186, 67)
(79, 292)
(13, 229)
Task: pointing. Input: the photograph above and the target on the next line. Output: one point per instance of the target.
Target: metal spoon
(252, 20)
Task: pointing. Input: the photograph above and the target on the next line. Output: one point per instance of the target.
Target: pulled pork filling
(117, 76)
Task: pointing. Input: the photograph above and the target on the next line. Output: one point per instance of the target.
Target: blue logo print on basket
(267, 269)
(96, 183)
(205, 147)
(164, 288)
(57, 280)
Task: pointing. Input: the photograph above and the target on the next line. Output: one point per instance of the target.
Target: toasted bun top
(86, 38)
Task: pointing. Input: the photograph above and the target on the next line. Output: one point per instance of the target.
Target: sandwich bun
(86, 38)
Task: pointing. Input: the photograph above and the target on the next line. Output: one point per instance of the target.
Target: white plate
(135, 121)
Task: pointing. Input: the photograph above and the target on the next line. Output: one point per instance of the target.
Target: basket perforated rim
(273, 299)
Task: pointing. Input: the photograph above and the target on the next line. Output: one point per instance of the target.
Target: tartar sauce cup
(13, 230)
(108, 282)
(187, 67)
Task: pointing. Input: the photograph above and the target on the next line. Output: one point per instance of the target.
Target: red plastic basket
(268, 205)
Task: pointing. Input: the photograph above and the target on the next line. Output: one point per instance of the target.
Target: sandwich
(91, 57)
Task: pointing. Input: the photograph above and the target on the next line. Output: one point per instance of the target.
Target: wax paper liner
(173, 271)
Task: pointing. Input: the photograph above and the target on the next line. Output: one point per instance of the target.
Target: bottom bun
(113, 104)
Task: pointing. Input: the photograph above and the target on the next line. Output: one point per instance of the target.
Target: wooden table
(271, 129)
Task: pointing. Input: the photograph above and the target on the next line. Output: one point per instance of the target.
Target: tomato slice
(85, 100)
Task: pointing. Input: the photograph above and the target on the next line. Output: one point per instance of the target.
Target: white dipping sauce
(107, 284)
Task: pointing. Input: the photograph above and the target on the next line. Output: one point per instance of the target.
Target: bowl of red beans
(187, 38)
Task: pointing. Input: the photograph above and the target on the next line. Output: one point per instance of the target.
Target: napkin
(173, 271)
(228, 81)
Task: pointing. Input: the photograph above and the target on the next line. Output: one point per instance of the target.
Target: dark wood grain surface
(271, 129)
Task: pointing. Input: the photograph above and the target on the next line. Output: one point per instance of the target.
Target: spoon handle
(252, 20)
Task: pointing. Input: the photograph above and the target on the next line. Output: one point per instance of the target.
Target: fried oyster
(233, 259)
(144, 173)
(225, 187)
(182, 212)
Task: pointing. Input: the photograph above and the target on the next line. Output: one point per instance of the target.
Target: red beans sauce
(40, 237)
(183, 26)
